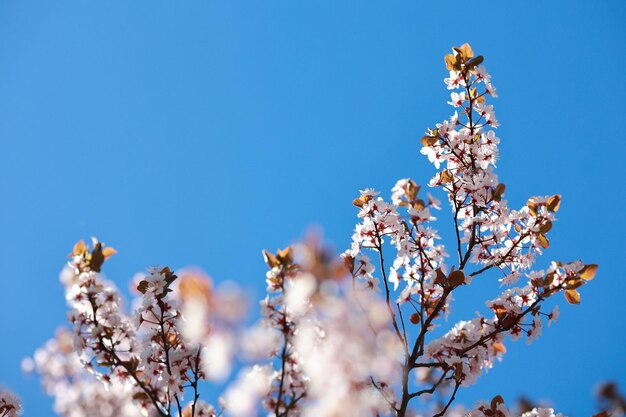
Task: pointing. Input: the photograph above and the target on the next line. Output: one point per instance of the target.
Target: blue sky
(200, 132)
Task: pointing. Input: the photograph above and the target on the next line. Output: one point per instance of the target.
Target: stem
(456, 388)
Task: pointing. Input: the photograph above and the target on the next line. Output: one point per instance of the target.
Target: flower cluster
(210, 319)
(467, 147)
(464, 150)
(472, 346)
(78, 393)
(418, 257)
(10, 405)
(135, 364)
(103, 336)
(165, 359)
(350, 354)
(287, 384)
(351, 335)
(497, 408)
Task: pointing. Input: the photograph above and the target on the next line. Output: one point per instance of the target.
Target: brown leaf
(415, 318)
(429, 140)
(361, 200)
(545, 227)
(143, 286)
(140, 395)
(573, 283)
(418, 204)
(500, 311)
(495, 402)
(108, 252)
(498, 347)
(537, 282)
(445, 176)
(97, 258)
(285, 256)
(348, 262)
(498, 192)
(270, 259)
(458, 371)
(554, 203)
(572, 296)
(588, 272)
(411, 189)
(79, 248)
(451, 63)
(456, 278)
(473, 63)
(194, 284)
(466, 51)
(440, 278)
(532, 206)
(169, 275)
(543, 241)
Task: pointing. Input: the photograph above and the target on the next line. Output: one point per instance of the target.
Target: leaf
(572, 296)
(473, 63)
(285, 256)
(537, 282)
(429, 140)
(456, 278)
(348, 262)
(498, 192)
(573, 283)
(545, 227)
(588, 272)
(451, 63)
(543, 241)
(270, 259)
(466, 51)
(440, 278)
(458, 371)
(359, 202)
(143, 286)
(554, 203)
(411, 189)
(131, 364)
(498, 347)
(495, 402)
(140, 395)
(500, 311)
(418, 204)
(108, 252)
(169, 275)
(532, 206)
(445, 176)
(97, 258)
(79, 248)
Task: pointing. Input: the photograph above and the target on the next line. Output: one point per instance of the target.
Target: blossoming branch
(348, 335)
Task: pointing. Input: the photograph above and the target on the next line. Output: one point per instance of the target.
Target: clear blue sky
(200, 132)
